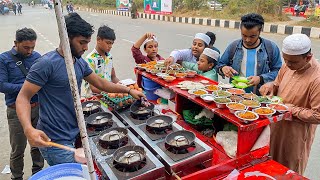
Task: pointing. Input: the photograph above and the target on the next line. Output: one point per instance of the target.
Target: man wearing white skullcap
(298, 84)
(192, 54)
(205, 66)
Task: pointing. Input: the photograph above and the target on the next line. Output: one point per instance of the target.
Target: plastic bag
(229, 141)
(165, 93)
(189, 117)
(205, 113)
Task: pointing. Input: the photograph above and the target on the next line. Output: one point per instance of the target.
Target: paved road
(170, 35)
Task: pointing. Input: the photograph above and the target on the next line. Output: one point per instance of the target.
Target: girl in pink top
(150, 47)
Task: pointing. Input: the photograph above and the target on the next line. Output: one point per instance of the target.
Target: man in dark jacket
(252, 56)
(12, 76)
(14, 8)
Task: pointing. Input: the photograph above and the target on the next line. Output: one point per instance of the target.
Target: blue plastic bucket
(63, 171)
(149, 87)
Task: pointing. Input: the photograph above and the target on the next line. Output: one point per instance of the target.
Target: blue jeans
(55, 156)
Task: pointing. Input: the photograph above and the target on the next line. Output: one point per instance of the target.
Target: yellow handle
(176, 176)
(60, 146)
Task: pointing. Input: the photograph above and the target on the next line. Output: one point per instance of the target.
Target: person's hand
(290, 106)
(149, 35)
(253, 80)
(79, 156)
(267, 89)
(136, 94)
(168, 61)
(37, 138)
(229, 71)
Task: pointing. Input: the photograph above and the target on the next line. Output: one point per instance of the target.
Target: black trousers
(18, 142)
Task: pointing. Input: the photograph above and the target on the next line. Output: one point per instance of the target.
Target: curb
(312, 32)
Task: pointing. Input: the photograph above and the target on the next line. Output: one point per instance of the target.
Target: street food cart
(204, 158)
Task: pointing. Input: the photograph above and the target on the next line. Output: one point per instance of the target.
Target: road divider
(312, 32)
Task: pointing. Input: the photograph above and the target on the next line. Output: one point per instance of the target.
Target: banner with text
(122, 5)
(158, 6)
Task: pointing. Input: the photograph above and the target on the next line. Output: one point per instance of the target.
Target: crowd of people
(33, 83)
(6, 7)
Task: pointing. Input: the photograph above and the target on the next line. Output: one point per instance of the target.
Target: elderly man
(298, 83)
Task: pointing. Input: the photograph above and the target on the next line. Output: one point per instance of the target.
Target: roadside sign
(158, 6)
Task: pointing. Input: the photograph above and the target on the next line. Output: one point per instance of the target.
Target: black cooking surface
(156, 135)
(146, 166)
(96, 131)
(135, 121)
(87, 114)
(111, 150)
(176, 155)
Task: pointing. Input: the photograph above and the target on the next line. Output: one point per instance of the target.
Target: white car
(214, 5)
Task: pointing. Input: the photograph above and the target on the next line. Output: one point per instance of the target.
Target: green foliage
(232, 8)
(194, 4)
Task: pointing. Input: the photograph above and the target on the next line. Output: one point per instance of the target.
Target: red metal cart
(251, 164)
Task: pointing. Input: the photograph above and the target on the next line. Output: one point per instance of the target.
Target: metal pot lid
(90, 107)
(100, 120)
(130, 157)
(137, 108)
(112, 135)
(142, 110)
(158, 123)
(179, 140)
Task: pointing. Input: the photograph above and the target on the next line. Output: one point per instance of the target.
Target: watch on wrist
(261, 80)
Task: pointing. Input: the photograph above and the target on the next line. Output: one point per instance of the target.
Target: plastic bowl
(251, 106)
(244, 119)
(73, 171)
(169, 78)
(191, 74)
(219, 104)
(278, 110)
(249, 96)
(197, 95)
(140, 67)
(180, 75)
(222, 94)
(211, 90)
(235, 98)
(161, 75)
(160, 62)
(240, 79)
(226, 86)
(265, 115)
(208, 98)
(236, 91)
(233, 110)
(154, 71)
